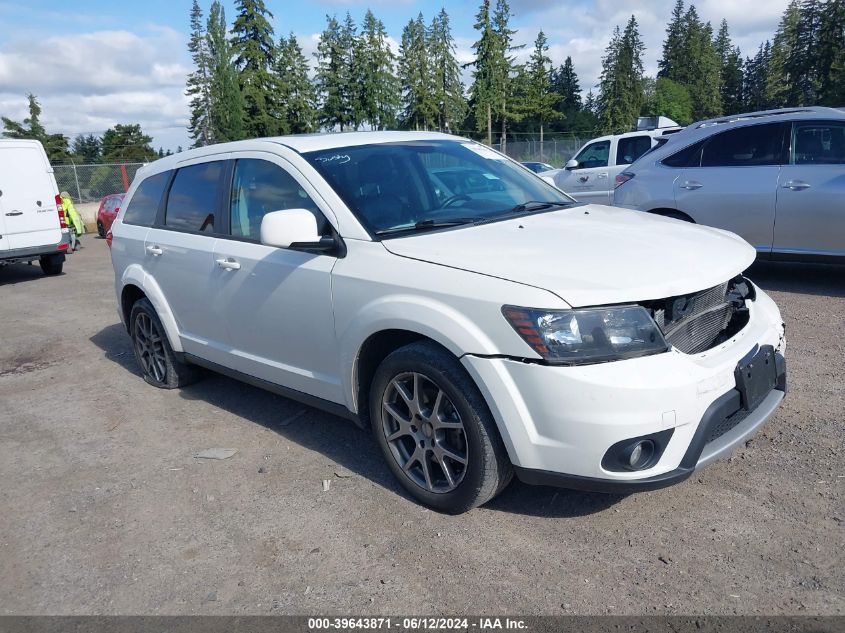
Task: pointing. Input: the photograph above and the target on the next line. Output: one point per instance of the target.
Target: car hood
(589, 254)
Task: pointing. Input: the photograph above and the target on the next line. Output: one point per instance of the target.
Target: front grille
(693, 322)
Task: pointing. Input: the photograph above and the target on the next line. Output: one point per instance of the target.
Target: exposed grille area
(726, 425)
(692, 323)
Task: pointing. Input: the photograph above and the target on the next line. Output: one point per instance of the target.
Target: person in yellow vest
(74, 221)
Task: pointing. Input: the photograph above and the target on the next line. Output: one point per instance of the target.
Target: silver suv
(776, 178)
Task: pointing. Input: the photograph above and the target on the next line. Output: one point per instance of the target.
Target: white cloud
(583, 29)
(90, 81)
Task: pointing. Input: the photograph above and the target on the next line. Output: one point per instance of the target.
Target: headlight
(592, 335)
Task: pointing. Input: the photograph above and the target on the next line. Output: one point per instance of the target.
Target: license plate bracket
(756, 377)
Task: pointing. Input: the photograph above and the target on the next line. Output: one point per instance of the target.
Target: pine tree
(621, 98)
(705, 69)
(591, 105)
(565, 83)
(350, 44)
(755, 80)
(336, 76)
(419, 108)
(254, 50)
(830, 56)
(448, 90)
(674, 47)
(87, 149)
(538, 101)
(730, 74)
(199, 82)
(485, 86)
(55, 145)
(331, 75)
(690, 59)
(227, 103)
(378, 90)
(127, 143)
(296, 91)
(506, 105)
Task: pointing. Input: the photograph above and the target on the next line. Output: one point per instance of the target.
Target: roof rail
(753, 115)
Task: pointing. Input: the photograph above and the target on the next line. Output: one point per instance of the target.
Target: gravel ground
(104, 509)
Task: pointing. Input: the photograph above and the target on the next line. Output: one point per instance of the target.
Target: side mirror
(571, 164)
(291, 226)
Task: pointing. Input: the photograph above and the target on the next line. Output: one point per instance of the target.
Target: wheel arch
(672, 213)
(393, 322)
(135, 285)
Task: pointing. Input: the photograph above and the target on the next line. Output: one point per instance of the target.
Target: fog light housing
(636, 453)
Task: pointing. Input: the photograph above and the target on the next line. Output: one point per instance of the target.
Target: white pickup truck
(590, 175)
(32, 221)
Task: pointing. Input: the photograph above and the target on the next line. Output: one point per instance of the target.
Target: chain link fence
(89, 183)
(555, 151)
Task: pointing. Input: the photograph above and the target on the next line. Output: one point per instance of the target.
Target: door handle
(691, 185)
(796, 185)
(602, 176)
(228, 264)
(155, 251)
(12, 214)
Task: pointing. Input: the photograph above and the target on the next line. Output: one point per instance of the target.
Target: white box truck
(32, 221)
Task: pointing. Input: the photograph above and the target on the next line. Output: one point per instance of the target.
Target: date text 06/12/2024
(415, 624)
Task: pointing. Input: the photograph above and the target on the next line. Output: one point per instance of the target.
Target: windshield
(420, 185)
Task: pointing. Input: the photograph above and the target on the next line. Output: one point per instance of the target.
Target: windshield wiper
(536, 205)
(424, 225)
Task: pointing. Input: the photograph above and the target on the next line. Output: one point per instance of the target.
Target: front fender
(135, 275)
(427, 317)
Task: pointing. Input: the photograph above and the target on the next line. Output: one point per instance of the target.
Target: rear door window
(749, 146)
(193, 200)
(143, 207)
(631, 148)
(819, 143)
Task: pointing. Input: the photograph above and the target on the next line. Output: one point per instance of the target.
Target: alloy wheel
(424, 432)
(149, 346)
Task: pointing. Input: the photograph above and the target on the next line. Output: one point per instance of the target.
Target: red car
(109, 206)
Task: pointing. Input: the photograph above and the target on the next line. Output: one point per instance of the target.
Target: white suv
(481, 321)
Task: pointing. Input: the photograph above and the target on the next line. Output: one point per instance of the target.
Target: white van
(32, 222)
(590, 175)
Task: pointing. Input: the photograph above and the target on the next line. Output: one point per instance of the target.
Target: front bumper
(558, 422)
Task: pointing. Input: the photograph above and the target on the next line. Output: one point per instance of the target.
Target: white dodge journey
(481, 322)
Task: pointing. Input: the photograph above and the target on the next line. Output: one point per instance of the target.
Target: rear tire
(101, 230)
(435, 430)
(159, 365)
(52, 264)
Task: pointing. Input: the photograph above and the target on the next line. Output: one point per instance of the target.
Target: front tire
(435, 429)
(101, 230)
(159, 365)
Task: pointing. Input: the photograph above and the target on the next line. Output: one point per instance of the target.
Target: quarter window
(143, 207)
(820, 143)
(631, 148)
(261, 187)
(749, 146)
(688, 157)
(594, 155)
(192, 202)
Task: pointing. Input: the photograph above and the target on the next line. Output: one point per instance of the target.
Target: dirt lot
(104, 509)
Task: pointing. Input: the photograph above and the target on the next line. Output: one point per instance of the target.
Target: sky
(96, 63)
